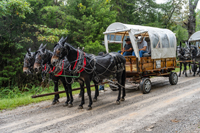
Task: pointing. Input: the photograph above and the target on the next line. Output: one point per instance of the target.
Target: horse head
(29, 60)
(187, 53)
(60, 51)
(180, 51)
(194, 51)
(41, 58)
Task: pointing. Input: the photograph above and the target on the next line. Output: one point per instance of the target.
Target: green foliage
(198, 20)
(14, 8)
(87, 20)
(181, 34)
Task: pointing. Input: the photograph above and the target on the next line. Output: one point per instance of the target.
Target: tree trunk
(192, 20)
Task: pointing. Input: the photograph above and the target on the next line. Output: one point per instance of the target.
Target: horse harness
(80, 65)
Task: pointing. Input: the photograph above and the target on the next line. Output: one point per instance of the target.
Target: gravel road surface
(166, 109)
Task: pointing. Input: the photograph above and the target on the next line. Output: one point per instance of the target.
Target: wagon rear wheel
(173, 78)
(145, 85)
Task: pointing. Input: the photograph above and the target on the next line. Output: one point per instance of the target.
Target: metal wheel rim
(174, 78)
(147, 85)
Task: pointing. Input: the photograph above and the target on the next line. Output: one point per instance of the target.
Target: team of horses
(69, 65)
(189, 55)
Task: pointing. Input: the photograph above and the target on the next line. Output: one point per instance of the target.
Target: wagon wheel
(113, 87)
(145, 85)
(173, 78)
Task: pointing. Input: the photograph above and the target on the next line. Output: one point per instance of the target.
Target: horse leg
(123, 84)
(190, 68)
(180, 69)
(71, 96)
(194, 69)
(66, 86)
(119, 93)
(82, 95)
(87, 81)
(55, 100)
(199, 69)
(96, 91)
(185, 68)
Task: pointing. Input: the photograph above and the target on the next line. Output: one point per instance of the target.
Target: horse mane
(70, 46)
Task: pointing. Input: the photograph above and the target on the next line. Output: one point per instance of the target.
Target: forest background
(28, 23)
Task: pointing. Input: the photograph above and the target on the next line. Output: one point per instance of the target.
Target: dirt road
(165, 109)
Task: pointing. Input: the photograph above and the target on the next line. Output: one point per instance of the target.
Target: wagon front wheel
(173, 78)
(145, 85)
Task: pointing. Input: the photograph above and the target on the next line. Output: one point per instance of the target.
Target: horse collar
(79, 65)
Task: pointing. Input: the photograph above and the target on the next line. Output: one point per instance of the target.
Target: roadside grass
(178, 69)
(17, 98)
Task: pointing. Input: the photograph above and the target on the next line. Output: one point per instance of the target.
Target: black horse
(184, 54)
(29, 60)
(43, 58)
(196, 58)
(42, 64)
(91, 67)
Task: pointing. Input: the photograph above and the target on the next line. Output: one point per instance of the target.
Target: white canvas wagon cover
(162, 41)
(195, 37)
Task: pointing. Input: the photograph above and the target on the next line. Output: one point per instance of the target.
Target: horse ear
(35, 53)
(43, 50)
(28, 51)
(180, 43)
(55, 45)
(44, 46)
(60, 41)
(41, 46)
(65, 40)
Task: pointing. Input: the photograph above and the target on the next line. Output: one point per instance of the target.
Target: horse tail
(124, 76)
(123, 82)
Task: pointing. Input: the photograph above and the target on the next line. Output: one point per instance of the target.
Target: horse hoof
(80, 107)
(117, 102)
(53, 103)
(89, 108)
(94, 100)
(70, 105)
(122, 99)
(65, 104)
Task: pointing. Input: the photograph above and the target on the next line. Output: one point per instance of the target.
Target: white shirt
(141, 45)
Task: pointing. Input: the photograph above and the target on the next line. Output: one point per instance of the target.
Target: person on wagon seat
(128, 49)
(142, 46)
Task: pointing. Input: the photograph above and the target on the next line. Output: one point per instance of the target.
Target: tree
(136, 12)
(198, 20)
(192, 20)
(21, 27)
(86, 21)
(172, 10)
(181, 34)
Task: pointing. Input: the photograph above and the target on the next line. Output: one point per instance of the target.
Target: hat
(127, 39)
